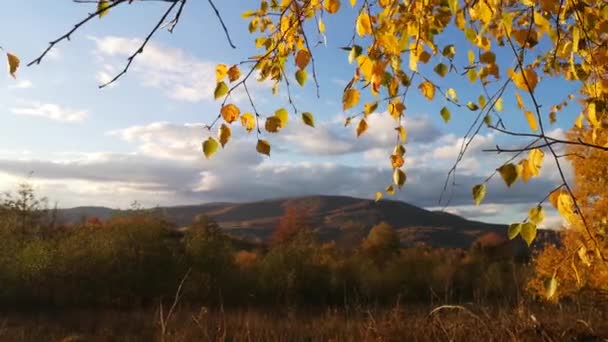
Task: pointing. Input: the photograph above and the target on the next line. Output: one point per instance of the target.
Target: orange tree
(396, 51)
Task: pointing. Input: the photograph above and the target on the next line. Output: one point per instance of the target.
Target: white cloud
(22, 84)
(51, 111)
(179, 75)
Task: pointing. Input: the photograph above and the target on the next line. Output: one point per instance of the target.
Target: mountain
(339, 218)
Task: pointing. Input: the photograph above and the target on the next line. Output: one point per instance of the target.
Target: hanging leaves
(364, 24)
(445, 114)
(513, 230)
(248, 121)
(479, 193)
(224, 134)
(103, 8)
(528, 232)
(350, 98)
(230, 113)
(234, 73)
(221, 89)
(509, 173)
(361, 127)
(263, 147)
(399, 178)
(301, 77)
(302, 59)
(308, 119)
(13, 64)
(428, 90)
(210, 146)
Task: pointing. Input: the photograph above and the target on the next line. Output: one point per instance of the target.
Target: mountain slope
(335, 217)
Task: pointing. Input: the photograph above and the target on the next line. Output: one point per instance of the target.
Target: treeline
(138, 258)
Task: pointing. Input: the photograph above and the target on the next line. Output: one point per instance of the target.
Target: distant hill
(339, 218)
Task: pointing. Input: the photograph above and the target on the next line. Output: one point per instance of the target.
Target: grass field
(399, 323)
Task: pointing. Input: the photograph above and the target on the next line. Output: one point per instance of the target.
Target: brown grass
(401, 323)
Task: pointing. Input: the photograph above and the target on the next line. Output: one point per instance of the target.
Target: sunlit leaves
(531, 119)
(487, 57)
(472, 106)
(283, 115)
(528, 232)
(221, 89)
(331, 6)
(224, 134)
(449, 51)
(350, 98)
(263, 147)
(210, 146)
(364, 24)
(355, 51)
(550, 285)
(390, 190)
(361, 127)
(536, 215)
(221, 70)
(479, 193)
(396, 161)
(451, 94)
(13, 64)
(103, 8)
(248, 121)
(308, 119)
(272, 124)
(402, 132)
(230, 113)
(369, 108)
(301, 77)
(428, 90)
(399, 178)
(565, 206)
(513, 230)
(509, 173)
(525, 80)
(378, 196)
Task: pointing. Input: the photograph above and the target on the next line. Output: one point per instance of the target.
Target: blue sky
(140, 138)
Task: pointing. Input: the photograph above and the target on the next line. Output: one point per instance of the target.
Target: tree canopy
(512, 47)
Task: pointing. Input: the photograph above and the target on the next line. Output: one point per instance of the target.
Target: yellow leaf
(399, 149)
(234, 73)
(451, 93)
(321, 26)
(230, 113)
(13, 64)
(424, 57)
(283, 116)
(479, 193)
(528, 232)
(531, 120)
(579, 121)
(210, 146)
(390, 190)
(302, 59)
(520, 102)
(263, 147)
(472, 106)
(396, 161)
(301, 77)
(353, 3)
(361, 127)
(364, 24)
(471, 56)
(378, 196)
(526, 81)
(592, 116)
(221, 70)
(308, 119)
(536, 157)
(224, 134)
(509, 173)
(550, 287)
(471, 75)
(395, 109)
(428, 89)
(350, 98)
(487, 57)
(221, 89)
(402, 134)
(565, 206)
(248, 121)
(331, 6)
(536, 215)
(369, 108)
(441, 69)
(102, 7)
(498, 105)
(513, 230)
(399, 178)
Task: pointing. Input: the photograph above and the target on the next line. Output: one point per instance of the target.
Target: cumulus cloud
(51, 111)
(22, 84)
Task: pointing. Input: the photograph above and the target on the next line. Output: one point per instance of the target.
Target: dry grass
(401, 323)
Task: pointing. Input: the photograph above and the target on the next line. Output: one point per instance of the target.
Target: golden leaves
(230, 113)
(531, 119)
(526, 81)
(445, 114)
(301, 77)
(536, 215)
(272, 124)
(13, 64)
(509, 173)
(331, 6)
(248, 121)
(103, 8)
(396, 161)
(399, 178)
(350, 98)
(221, 70)
(283, 116)
(531, 166)
(361, 127)
(428, 90)
(402, 132)
(224, 134)
(210, 146)
(528, 232)
(234, 73)
(221, 89)
(364, 24)
(479, 193)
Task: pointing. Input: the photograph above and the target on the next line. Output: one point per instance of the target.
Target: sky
(140, 139)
